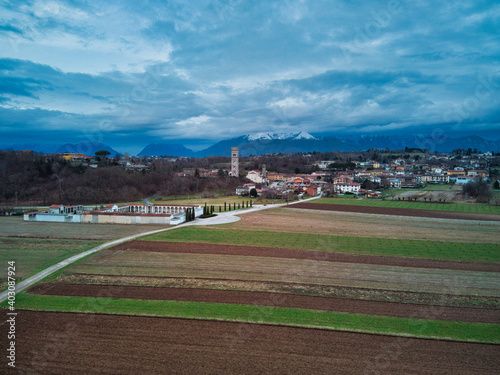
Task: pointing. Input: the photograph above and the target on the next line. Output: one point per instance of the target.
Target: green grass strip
(421, 328)
(470, 252)
(454, 207)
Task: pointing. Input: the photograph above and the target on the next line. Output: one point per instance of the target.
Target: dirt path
(398, 211)
(68, 343)
(273, 299)
(208, 248)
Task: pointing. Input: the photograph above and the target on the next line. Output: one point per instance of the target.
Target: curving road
(222, 218)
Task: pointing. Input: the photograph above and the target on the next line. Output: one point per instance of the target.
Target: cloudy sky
(129, 73)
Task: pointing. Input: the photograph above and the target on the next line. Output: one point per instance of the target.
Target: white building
(114, 214)
(245, 189)
(256, 177)
(395, 183)
(323, 164)
(348, 187)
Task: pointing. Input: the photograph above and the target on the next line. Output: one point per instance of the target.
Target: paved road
(222, 218)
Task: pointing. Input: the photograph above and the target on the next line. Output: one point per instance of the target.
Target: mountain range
(165, 149)
(261, 143)
(271, 143)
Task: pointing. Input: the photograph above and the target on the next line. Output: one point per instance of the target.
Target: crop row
(473, 252)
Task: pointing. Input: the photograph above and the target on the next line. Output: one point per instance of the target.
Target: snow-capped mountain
(278, 136)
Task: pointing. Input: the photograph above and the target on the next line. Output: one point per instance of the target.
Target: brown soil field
(398, 211)
(354, 224)
(273, 299)
(69, 343)
(273, 252)
(313, 290)
(119, 262)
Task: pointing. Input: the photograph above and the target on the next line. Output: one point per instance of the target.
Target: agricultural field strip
(33, 255)
(402, 310)
(282, 287)
(487, 294)
(464, 217)
(455, 207)
(31, 280)
(211, 347)
(422, 328)
(352, 245)
(275, 252)
(292, 270)
(362, 225)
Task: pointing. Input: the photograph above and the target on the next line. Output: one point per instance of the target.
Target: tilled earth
(398, 211)
(273, 252)
(70, 343)
(402, 310)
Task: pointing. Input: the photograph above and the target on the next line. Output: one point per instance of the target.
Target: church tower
(235, 162)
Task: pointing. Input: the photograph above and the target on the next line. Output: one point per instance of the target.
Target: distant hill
(87, 148)
(165, 149)
(37, 147)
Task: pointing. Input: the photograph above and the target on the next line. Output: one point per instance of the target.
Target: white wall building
(349, 187)
(114, 214)
(256, 177)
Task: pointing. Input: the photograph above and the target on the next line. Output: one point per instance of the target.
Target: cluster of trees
(481, 191)
(37, 179)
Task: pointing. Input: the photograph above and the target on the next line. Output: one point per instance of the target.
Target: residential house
(350, 187)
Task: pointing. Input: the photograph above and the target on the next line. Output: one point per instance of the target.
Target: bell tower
(235, 162)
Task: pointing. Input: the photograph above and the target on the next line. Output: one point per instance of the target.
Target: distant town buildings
(364, 178)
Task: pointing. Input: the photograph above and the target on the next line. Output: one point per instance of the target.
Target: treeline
(30, 178)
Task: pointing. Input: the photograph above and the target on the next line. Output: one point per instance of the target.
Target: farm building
(114, 214)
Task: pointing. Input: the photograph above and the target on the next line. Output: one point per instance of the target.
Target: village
(333, 177)
(368, 178)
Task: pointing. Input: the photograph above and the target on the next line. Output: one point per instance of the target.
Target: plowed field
(68, 343)
(274, 299)
(398, 211)
(273, 252)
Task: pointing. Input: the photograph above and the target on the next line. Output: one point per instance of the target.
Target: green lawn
(33, 254)
(442, 187)
(472, 252)
(423, 328)
(457, 207)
